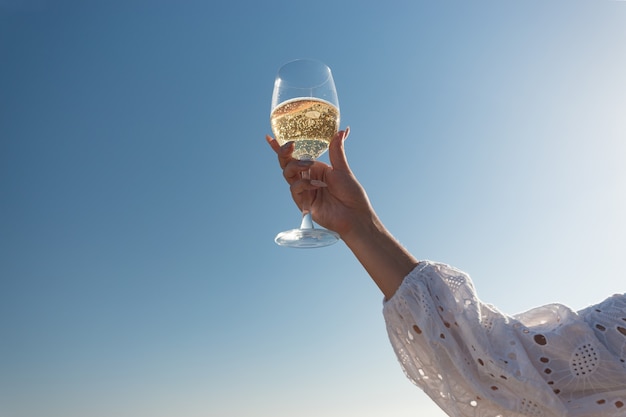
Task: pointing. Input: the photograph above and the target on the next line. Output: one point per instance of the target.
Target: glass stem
(307, 222)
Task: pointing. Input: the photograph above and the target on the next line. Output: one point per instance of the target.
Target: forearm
(382, 256)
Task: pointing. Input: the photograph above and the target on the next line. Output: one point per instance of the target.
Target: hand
(334, 196)
(340, 203)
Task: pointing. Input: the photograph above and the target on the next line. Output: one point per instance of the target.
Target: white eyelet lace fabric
(475, 361)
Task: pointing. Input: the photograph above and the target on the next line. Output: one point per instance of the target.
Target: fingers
(300, 186)
(294, 169)
(336, 151)
(284, 152)
(273, 143)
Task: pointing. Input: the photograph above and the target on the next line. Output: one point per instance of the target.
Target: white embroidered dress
(473, 360)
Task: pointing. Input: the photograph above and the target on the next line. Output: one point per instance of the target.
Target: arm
(341, 204)
(385, 260)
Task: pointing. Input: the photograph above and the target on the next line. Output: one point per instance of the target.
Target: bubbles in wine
(310, 123)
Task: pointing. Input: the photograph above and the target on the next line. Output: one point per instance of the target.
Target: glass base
(306, 238)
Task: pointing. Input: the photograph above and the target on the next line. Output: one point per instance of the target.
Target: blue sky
(138, 275)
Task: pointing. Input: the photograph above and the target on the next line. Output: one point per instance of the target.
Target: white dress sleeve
(473, 360)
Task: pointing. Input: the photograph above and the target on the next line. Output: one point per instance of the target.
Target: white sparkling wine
(311, 123)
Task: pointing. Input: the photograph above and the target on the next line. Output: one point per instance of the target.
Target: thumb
(336, 152)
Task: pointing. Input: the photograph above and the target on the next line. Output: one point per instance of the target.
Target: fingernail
(346, 133)
(318, 183)
(305, 163)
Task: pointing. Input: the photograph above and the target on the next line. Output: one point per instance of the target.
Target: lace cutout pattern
(473, 360)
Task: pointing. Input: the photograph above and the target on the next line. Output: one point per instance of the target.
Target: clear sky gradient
(139, 200)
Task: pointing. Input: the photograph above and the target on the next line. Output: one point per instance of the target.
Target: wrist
(364, 228)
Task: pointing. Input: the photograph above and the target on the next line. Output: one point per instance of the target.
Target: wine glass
(305, 110)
